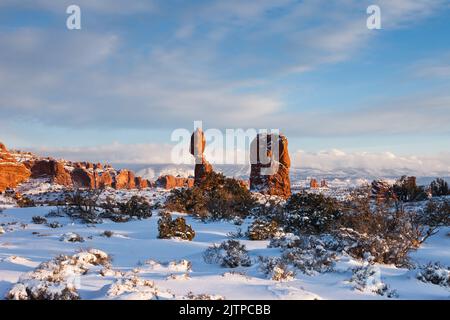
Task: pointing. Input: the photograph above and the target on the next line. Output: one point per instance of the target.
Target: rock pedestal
(202, 167)
(270, 163)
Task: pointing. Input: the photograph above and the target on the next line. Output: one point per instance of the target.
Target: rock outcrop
(381, 191)
(12, 173)
(313, 184)
(169, 182)
(270, 163)
(142, 183)
(82, 178)
(197, 148)
(124, 180)
(52, 170)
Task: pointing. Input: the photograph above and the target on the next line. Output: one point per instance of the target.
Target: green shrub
(262, 230)
(177, 228)
(311, 213)
(217, 197)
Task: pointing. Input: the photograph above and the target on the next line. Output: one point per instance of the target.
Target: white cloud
(112, 153)
(97, 6)
(376, 163)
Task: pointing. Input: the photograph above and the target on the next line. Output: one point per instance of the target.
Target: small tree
(177, 228)
(439, 187)
(406, 190)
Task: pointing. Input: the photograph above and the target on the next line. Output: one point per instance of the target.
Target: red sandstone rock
(269, 172)
(124, 180)
(313, 184)
(169, 182)
(141, 183)
(103, 180)
(12, 173)
(197, 148)
(81, 178)
(51, 169)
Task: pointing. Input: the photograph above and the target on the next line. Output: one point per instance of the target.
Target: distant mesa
(17, 167)
(269, 172)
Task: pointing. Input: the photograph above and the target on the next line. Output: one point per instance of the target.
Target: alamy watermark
(73, 22)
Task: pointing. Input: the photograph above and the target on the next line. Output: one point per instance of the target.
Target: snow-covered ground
(145, 267)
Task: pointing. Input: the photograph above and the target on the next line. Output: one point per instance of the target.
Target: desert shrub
(56, 279)
(311, 213)
(83, 205)
(229, 254)
(285, 241)
(188, 200)
(436, 274)
(54, 225)
(275, 269)
(311, 255)
(107, 233)
(236, 234)
(436, 214)
(203, 296)
(263, 230)
(407, 190)
(368, 278)
(136, 207)
(176, 228)
(388, 233)
(217, 197)
(39, 220)
(71, 237)
(439, 187)
(24, 201)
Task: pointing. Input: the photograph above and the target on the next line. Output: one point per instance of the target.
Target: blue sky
(140, 69)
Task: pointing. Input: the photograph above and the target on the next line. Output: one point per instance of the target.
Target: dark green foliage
(230, 254)
(262, 230)
(39, 220)
(407, 190)
(436, 214)
(383, 231)
(439, 187)
(135, 207)
(311, 213)
(217, 197)
(177, 228)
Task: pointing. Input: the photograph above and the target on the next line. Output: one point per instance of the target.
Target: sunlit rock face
(270, 163)
(12, 172)
(198, 145)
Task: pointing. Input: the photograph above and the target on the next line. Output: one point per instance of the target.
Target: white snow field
(145, 267)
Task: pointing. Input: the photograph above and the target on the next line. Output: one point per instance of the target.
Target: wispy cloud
(378, 163)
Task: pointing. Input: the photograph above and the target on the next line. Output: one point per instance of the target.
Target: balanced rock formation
(202, 167)
(12, 172)
(169, 182)
(50, 169)
(270, 163)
